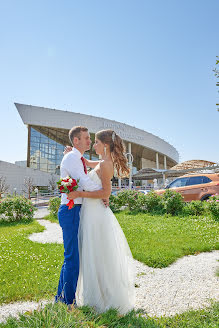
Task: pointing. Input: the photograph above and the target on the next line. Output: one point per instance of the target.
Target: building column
(157, 161)
(130, 147)
(165, 162)
(119, 183)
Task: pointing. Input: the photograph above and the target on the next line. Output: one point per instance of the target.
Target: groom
(73, 165)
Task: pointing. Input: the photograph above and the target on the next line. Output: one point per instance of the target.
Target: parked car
(195, 186)
(144, 191)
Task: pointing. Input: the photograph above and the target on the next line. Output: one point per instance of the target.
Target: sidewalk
(41, 212)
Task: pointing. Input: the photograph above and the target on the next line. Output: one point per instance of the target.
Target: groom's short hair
(76, 132)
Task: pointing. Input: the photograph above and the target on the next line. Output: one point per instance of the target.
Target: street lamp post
(36, 191)
(130, 161)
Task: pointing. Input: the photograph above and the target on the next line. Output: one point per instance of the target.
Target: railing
(42, 199)
(133, 188)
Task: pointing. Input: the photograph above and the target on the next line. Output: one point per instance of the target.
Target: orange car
(195, 186)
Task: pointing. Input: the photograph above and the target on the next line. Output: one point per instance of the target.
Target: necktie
(85, 168)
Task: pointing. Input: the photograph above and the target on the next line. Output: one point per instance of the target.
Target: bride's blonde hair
(117, 149)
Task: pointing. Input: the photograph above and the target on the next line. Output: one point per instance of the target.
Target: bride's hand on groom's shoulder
(74, 194)
(67, 150)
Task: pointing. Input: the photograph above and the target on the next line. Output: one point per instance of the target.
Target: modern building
(15, 175)
(48, 134)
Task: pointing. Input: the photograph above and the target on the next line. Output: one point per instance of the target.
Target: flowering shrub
(137, 201)
(16, 208)
(195, 207)
(152, 203)
(54, 204)
(213, 206)
(173, 202)
(133, 200)
(123, 197)
(114, 203)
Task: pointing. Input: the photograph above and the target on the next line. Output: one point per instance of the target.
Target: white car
(144, 191)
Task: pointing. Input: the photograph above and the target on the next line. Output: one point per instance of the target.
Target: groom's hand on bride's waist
(106, 202)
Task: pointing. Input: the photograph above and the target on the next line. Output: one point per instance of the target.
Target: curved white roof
(34, 115)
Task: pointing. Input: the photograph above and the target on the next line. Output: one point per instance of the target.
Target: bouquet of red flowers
(67, 185)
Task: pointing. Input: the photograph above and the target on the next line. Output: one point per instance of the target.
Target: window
(198, 180)
(181, 182)
(45, 153)
(206, 180)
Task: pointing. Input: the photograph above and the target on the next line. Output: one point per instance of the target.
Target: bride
(106, 275)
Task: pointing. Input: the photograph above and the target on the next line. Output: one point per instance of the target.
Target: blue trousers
(69, 222)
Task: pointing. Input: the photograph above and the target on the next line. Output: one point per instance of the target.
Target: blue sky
(145, 63)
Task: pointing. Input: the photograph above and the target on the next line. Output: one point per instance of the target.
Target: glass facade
(45, 153)
(46, 146)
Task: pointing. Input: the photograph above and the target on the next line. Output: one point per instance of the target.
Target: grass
(57, 316)
(28, 270)
(205, 318)
(52, 218)
(158, 241)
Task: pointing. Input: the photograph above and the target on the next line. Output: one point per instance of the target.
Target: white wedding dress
(106, 276)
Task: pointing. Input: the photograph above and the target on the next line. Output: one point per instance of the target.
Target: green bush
(153, 203)
(54, 204)
(173, 202)
(123, 197)
(16, 208)
(127, 198)
(213, 206)
(137, 201)
(114, 203)
(133, 200)
(195, 207)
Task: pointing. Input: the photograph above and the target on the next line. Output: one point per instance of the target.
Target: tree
(3, 186)
(52, 182)
(216, 73)
(28, 186)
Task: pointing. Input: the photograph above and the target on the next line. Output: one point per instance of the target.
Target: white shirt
(71, 165)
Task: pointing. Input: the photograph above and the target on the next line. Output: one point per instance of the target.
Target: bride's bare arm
(91, 164)
(88, 162)
(106, 173)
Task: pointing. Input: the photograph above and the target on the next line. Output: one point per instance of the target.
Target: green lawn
(28, 270)
(158, 241)
(57, 316)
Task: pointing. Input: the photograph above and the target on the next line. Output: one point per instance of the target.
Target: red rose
(74, 183)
